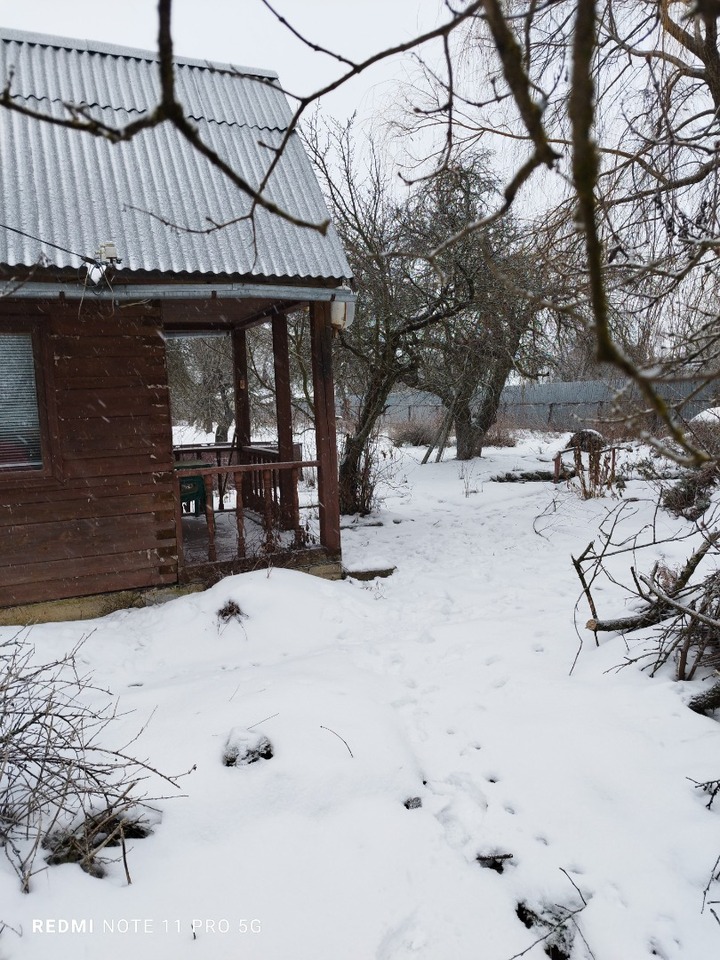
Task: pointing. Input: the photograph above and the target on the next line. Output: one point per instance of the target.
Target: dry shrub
(85, 842)
(587, 441)
(61, 788)
(595, 465)
(690, 497)
(599, 476)
(377, 467)
(231, 611)
(689, 635)
(683, 611)
(504, 432)
(706, 435)
(499, 435)
(367, 479)
(414, 433)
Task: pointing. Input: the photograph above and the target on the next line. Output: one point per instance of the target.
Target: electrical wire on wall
(48, 243)
(95, 267)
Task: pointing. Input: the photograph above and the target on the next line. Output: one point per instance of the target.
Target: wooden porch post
(283, 414)
(242, 396)
(324, 402)
(242, 406)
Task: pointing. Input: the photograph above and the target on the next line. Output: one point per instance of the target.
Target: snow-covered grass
(448, 682)
(185, 433)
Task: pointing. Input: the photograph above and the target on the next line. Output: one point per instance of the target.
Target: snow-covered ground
(417, 722)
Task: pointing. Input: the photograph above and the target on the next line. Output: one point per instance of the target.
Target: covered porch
(244, 503)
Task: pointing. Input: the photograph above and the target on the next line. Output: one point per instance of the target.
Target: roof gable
(76, 191)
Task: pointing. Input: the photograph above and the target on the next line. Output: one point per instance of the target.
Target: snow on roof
(77, 191)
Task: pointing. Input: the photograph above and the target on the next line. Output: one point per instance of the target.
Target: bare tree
(466, 361)
(403, 297)
(609, 109)
(619, 100)
(200, 375)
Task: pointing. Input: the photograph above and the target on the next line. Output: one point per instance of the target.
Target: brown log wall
(104, 520)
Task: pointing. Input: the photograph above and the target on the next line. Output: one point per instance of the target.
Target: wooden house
(105, 251)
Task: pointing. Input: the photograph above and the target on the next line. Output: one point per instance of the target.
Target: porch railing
(268, 488)
(249, 453)
(264, 455)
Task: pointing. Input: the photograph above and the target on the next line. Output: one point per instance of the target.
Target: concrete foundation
(88, 608)
(101, 604)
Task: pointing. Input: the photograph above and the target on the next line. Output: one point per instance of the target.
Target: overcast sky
(243, 32)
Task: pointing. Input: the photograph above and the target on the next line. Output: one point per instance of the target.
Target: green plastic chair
(192, 495)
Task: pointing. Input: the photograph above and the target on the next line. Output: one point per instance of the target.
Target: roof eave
(117, 50)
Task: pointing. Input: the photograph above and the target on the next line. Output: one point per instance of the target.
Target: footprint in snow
(404, 940)
(403, 702)
(455, 833)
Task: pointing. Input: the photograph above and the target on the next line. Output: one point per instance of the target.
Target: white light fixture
(342, 312)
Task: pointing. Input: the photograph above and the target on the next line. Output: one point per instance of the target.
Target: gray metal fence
(554, 406)
(571, 405)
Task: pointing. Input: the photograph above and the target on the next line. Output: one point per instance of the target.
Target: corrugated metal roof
(155, 196)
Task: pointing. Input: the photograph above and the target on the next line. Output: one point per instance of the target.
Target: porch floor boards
(195, 538)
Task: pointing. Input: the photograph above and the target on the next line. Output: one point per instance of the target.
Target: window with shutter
(20, 436)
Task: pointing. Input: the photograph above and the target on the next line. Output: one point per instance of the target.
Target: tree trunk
(467, 434)
(226, 413)
(503, 364)
(491, 400)
(355, 497)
